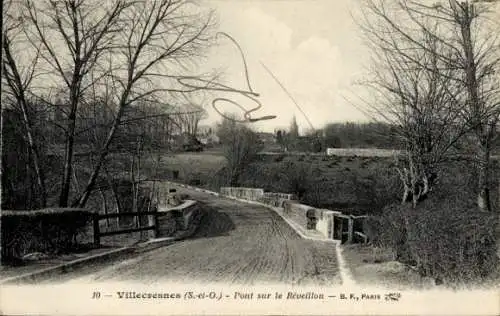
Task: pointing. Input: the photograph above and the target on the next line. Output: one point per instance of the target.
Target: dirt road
(237, 243)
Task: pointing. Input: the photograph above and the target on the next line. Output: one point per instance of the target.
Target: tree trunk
(483, 195)
(134, 196)
(479, 125)
(82, 200)
(104, 206)
(69, 147)
(28, 124)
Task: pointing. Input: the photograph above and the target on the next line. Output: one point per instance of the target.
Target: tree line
(434, 76)
(91, 76)
(339, 135)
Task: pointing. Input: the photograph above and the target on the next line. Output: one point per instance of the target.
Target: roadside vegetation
(84, 124)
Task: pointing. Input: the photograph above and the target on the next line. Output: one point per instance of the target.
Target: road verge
(96, 259)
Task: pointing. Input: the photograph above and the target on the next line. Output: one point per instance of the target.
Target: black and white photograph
(222, 157)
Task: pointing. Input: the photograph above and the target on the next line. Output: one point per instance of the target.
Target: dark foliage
(360, 135)
(449, 240)
(49, 231)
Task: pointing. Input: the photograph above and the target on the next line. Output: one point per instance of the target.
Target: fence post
(331, 226)
(97, 236)
(339, 230)
(350, 232)
(153, 221)
(3, 249)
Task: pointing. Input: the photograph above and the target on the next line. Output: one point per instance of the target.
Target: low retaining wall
(326, 222)
(362, 152)
(277, 199)
(308, 217)
(172, 220)
(251, 194)
(302, 214)
(275, 195)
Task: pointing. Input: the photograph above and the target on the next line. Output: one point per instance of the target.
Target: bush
(453, 241)
(49, 231)
(279, 158)
(386, 229)
(449, 240)
(377, 189)
(297, 178)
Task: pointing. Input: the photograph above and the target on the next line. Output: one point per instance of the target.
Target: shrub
(279, 158)
(297, 178)
(48, 231)
(377, 189)
(194, 181)
(313, 195)
(386, 229)
(449, 240)
(453, 241)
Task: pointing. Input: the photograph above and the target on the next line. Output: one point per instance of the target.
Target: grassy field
(353, 184)
(331, 181)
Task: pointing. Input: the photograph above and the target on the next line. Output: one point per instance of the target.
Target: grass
(353, 184)
(376, 267)
(190, 164)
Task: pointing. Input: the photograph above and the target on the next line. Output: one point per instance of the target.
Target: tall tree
(294, 128)
(241, 146)
(73, 36)
(157, 39)
(18, 77)
(447, 44)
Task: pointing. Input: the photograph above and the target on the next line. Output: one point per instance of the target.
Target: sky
(312, 46)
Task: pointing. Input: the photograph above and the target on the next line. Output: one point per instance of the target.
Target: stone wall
(325, 223)
(251, 194)
(362, 152)
(300, 213)
(306, 216)
(277, 199)
(177, 219)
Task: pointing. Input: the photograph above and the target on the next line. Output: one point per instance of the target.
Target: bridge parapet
(329, 223)
(251, 194)
(171, 219)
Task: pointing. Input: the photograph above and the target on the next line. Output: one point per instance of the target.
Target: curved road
(237, 243)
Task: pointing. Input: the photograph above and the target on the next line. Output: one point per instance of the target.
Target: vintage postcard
(250, 157)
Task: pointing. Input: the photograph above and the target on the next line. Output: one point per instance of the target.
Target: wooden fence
(152, 224)
(350, 232)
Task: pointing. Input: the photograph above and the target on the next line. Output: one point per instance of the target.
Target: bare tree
(241, 146)
(189, 117)
(73, 35)
(157, 39)
(19, 78)
(441, 65)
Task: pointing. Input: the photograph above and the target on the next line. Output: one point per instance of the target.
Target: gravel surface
(237, 243)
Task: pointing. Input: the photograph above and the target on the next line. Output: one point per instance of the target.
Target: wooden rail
(98, 234)
(350, 228)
